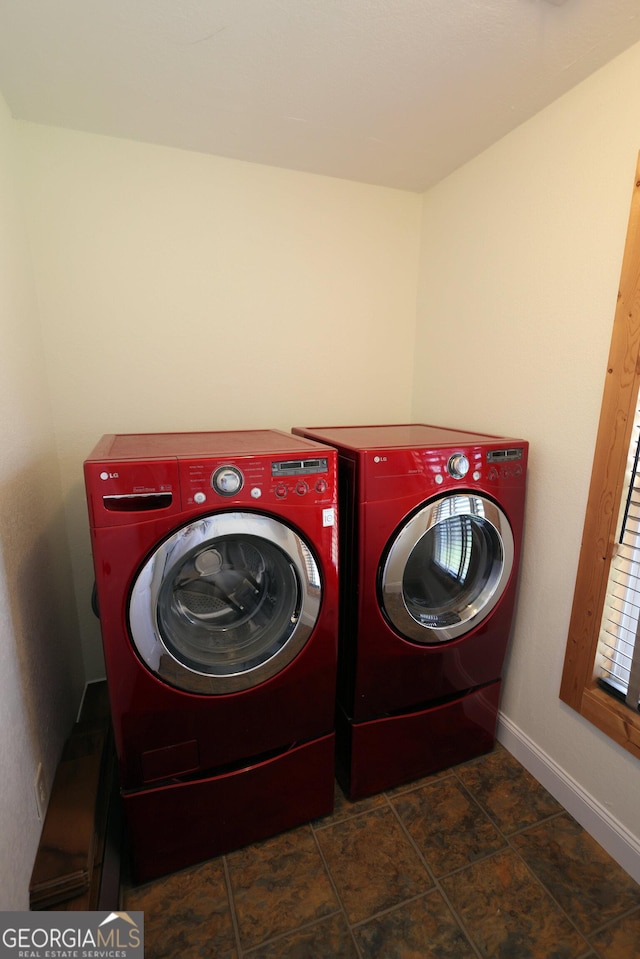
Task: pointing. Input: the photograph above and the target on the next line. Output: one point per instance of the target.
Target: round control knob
(227, 480)
(458, 465)
(199, 498)
(302, 488)
(321, 486)
(281, 491)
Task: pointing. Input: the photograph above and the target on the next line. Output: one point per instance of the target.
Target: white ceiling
(392, 92)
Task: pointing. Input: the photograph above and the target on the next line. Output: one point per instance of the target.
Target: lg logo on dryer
(379, 459)
(105, 476)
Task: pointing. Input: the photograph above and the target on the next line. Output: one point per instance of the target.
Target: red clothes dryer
(215, 559)
(431, 526)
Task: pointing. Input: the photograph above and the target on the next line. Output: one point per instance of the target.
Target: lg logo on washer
(106, 476)
(379, 459)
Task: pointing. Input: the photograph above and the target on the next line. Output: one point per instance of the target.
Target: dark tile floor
(475, 861)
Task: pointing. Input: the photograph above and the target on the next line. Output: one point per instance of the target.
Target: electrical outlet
(40, 789)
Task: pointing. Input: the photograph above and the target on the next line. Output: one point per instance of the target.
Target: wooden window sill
(615, 719)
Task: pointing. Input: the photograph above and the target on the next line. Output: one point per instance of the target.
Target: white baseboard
(621, 845)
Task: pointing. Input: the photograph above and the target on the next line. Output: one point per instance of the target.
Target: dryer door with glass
(446, 568)
(225, 603)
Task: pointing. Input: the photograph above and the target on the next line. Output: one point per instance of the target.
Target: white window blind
(618, 660)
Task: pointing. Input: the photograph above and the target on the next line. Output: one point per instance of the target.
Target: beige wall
(184, 292)
(40, 668)
(520, 262)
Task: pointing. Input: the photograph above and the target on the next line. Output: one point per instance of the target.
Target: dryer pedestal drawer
(179, 824)
(384, 753)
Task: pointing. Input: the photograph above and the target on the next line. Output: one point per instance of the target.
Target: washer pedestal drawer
(182, 823)
(387, 752)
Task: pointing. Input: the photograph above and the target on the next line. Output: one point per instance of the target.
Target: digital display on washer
(299, 467)
(498, 456)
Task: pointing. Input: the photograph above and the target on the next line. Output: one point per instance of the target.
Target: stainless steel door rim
(447, 567)
(225, 602)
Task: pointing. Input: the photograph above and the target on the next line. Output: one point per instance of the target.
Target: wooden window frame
(579, 688)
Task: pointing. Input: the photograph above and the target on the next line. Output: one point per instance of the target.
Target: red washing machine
(431, 526)
(216, 570)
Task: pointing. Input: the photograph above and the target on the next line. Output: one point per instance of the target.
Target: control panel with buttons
(300, 480)
(440, 469)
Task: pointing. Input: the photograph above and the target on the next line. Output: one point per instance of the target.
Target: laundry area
(298, 417)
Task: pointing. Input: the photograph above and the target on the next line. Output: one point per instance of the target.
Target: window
(618, 656)
(602, 652)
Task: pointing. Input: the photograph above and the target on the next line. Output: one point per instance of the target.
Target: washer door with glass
(225, 603)
(447, 568)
